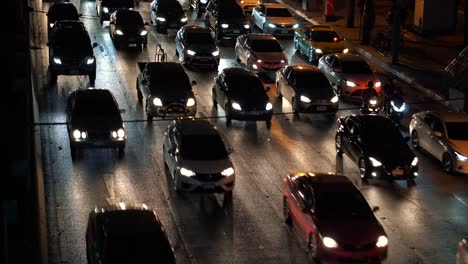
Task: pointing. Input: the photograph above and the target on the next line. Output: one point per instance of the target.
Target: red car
(333, 217)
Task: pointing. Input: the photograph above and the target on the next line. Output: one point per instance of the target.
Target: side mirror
(268, 89)
(375, 209)
(437, 134)
(95, 44)
(194, 82)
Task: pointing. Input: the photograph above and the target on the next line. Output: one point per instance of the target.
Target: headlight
(282, 61)
(157, 102)
(162, 19)
(224, 25)
(215, 53)
(203, 1)
(272, 25)
(345, 50)
(414, 162)
(90, 61)
(105, 10)
(375, 162)
(460, 157)
(373, 101)
(382, 241)
(77, 134)
(51, 25)
(183, 20)
(119, 32)
(114, 134)
(318, 51)
(396, 108)
(143, 33)
(191, 52)
(350, 84)
(57, 60)
(377, 84)
(259, 61)
(296, 26)
(121, 133)
(305, 99)
(329, 242)
(228, 172)
(268, 106)
(186, 172)
(334, 99)
(190, 102)
(236, 106)
(254, 66)
(246, 26)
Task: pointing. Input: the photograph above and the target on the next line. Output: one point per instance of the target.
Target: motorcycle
(395, 108)
(371, 106)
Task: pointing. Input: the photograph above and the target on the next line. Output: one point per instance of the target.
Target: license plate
(132, 45)
(321, 108)
(131, 40)
(204, 60)
(285, 31)
(256, 112)
(208, 187)
(397, 172)
(75, 72)
(236, 31)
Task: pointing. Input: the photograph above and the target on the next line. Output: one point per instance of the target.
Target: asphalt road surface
(424, 222)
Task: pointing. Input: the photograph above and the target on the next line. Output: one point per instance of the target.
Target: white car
(275, 19)
(196, 158)
(444, 134)
(462, 252)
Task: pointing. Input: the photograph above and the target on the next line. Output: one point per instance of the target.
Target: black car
(227, 20)
(307, 89)
(242, 96)
(61, 11)
(70, 51)
(377, 146)
(125, 233)
(94, 121)
(105, 8)
(167, 14)
(126, 27)
(195, 46)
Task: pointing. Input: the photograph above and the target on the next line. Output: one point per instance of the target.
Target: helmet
(370, 84)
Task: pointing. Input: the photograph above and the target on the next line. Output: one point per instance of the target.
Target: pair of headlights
(157, 102)
(120, 32)
(116, 134)
(376, 163)
(271, 25)
(58, 60)
(246, 26)
(238, 107)
(353, 84)
(189, 173)
(306, 99)
(329, 242)
(193, 53)
(162, 19)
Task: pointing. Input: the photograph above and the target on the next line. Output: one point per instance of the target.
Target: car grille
(208, 177)
(362, 247)
(72, 61)
(98, 135)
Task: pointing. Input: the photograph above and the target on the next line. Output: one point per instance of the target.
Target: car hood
(360, 79)
(250, 103)
(206, 166)
(390, 155)
(329, 46)
(131, 29)
(351, 231)
(171, 94)
(234, 21)
(72, 52)
(206, 48)
(288, 21)
(460, 146)
(275, 57)
(90, 123)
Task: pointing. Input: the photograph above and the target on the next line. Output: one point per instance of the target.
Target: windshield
(355, 67)
(230, 11)
(200, 38)
(118, 3)
(318, 84)
(174, 80)
(457, 130)
(342, 205)
(382, 132)
(265, 45)
(95, 105)
(251, 86)
(203, 147)
(74, 40)
(278, 12)
(130, 18)
(324, 36)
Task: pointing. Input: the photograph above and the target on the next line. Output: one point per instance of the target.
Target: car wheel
(415, 139)
(447, 163)
(278, 90)
(213, 99)
(92, 79)
(295, 106)
(338, 145)
(177, 53)
(101, 21)
(363, 173)
(53, 77)
(310, 56)
(312, 247)
(286, 212)
(139, 95)
(177, 188)
(228, 115)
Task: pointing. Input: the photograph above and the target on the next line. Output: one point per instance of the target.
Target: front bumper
(77, 68)
(267, 66)
(264, 115)
(209, 61)
(129, 40)
(172, 110)
(205, 183)
(232, 33)
(361, 255)
(460, 166)
(280, 31)
(170, 24)
(394, 173)
(325, 52)
(319, 106)
(98, 141)
(355, 93)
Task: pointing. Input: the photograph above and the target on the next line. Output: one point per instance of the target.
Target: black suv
(61, 11)
(377, 146)
(126, 233)
(195, 46)
(167, 14)
(70, 51)
(94, 121)
(105, 8)
(126, 27)
(242, 96)
(227, 19)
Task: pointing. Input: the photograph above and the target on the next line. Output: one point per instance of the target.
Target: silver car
(275, 19)
(444, 135)
(260, 52)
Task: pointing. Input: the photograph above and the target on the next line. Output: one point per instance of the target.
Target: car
(105, 8)
(127, 233)
(226, 19)
(196, 157)
(166, 88)
(349, 74)
(275, 19)
(333, 217)
(61, 11)
(260, 52)
(195, 46)
(307, 89)
(314, 41)
(126, 27)
(167, 14)
(94, 121)
(249, 5)
(377, 146)
(462, 252)
(240, 93)
(444, 135)
(71, 51)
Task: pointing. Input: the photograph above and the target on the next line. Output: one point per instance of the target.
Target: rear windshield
(342, 205)
(64, 12)
(93, 104)
(130, 18)
(278, 12)
(355, 67)
(318, 84)
(266, 45)
(200, 38)
(325, 36)
(118, 3)
(457, 130)
(203, 147)
(169, 5)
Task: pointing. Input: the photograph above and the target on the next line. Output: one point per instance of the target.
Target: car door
(145, 84)
(304, 201)
(335, 71)
(327, 66)
(98, 7)
(244, 51)
(112, 24)
(179, 42)
(425, 131)
(436, 144)
(259, 16)
(69, 110)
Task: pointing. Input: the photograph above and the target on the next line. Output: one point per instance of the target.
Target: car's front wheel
(286, 212)
(415, 140)
(213, 99)
(363, 169)
(295, 106)
(338, 145)
(228, 114)
(447, 163)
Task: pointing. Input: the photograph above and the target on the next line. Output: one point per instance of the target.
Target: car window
(305, 192)
(306, 32)
(336, 64)
(286, 72)
(350, 125)
(291, 77)
(428, 119)
(437, 125)
(129, 18)
(329, 60)
(265, 45)
(457, 130)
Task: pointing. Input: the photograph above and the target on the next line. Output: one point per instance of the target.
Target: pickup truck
(166, 89)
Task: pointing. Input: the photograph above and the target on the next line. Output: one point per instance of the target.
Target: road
(424, 222)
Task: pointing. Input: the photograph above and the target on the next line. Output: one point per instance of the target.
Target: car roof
(274, 5)
(238, 72)
(92, 92)
(191, 126)
(348, 57)
(305, 68)
(326, 182)
(450, 116)
(195, 28)
(62, 5)
(255, 36)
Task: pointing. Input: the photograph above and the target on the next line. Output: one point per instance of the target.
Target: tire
(149, 118)
(92, 79)
(268, 123)
(286, 212)
(312, 248)
(101, 21)
(415, 140)
(363, 171)
(447, 163)
(139, 95)
(177, 53)
(75, 153)
(228, 115)
(213, 99)
(338, 145)
(296, 108)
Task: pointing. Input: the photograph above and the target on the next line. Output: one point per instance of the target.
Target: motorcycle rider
(391, 90)
(367, 94)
